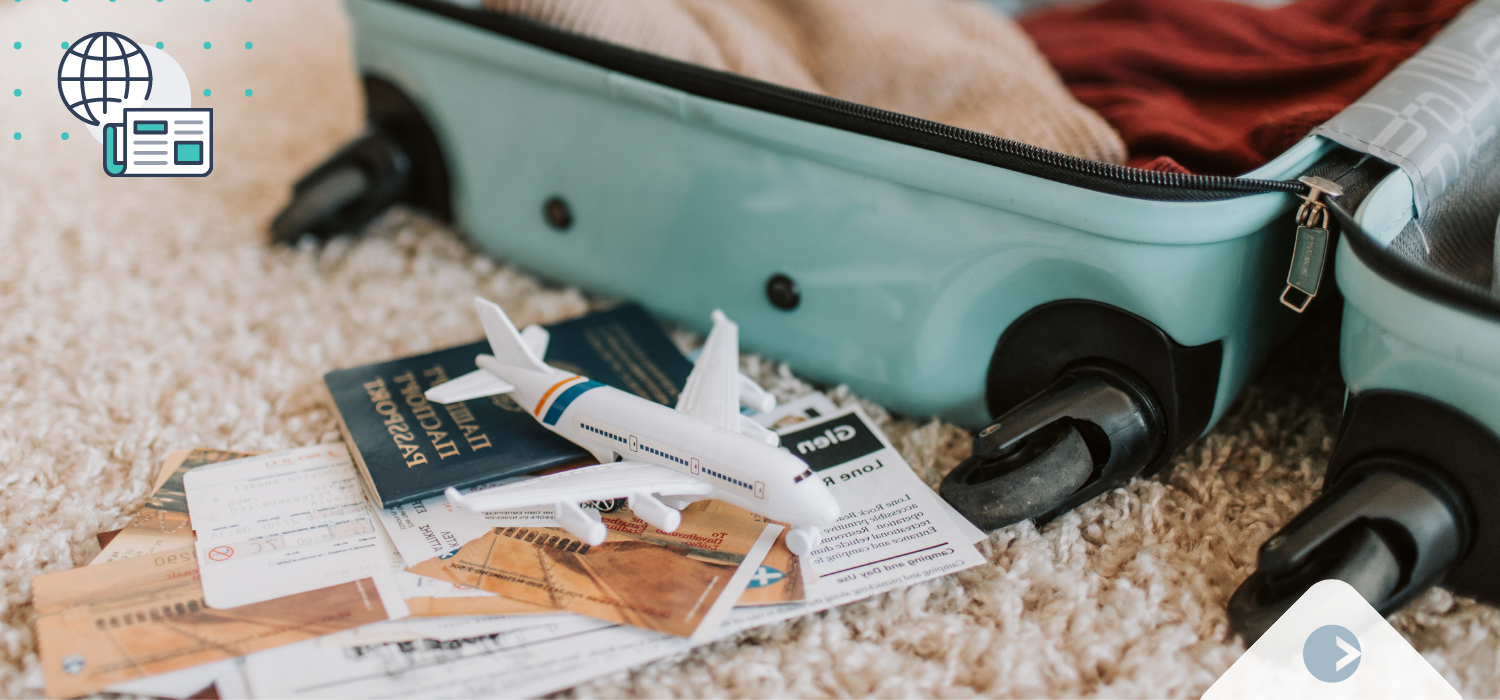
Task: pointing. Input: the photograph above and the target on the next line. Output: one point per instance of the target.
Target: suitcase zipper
(1311, 245)
(1049, 158)
(849, 116)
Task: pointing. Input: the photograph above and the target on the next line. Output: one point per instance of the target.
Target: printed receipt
(274, 525)
(895, 532)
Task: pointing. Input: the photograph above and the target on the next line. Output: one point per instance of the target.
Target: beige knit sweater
(952, 61)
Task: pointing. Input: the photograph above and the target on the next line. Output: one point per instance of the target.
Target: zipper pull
(1312, 242)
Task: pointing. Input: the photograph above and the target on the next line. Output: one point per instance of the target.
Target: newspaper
(577, 649)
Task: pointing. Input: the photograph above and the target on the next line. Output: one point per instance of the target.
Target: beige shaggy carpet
(141, 316)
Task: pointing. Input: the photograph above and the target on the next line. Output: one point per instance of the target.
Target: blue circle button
(1331, 653)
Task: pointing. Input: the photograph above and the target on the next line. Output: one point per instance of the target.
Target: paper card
(283, 523)
(163, 523)
(434, 597)
(778, 579)
(98, 626)
(677, 582)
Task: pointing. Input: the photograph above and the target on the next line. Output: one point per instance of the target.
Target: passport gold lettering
(460, 414)
(426, 415)
(395, 423)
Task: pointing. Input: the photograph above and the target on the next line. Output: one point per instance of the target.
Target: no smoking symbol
(220, 553)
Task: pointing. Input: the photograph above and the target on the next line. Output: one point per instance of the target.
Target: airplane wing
(474, 385)
(597, 483)
(712, 392)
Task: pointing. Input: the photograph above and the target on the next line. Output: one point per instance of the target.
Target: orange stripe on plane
(548, 393)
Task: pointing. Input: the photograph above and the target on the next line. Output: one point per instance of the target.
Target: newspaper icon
(160, 143)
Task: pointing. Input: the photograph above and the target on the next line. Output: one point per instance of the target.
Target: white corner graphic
(1331, 644)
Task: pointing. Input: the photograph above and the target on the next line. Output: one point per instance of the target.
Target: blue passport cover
(409, 449)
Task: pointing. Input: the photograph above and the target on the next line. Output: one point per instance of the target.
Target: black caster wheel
(1090, 431)
(1390, 527)
(1036, 474)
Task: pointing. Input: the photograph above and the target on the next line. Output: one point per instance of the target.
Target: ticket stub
(283, 523)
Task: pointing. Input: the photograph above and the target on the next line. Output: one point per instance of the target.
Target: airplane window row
(664, 455)
(729, 479)
(611, 436)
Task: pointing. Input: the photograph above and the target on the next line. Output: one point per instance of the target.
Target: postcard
(283, 523)
(778, 578)
(439, 597)
(98, 626)
(675, 582)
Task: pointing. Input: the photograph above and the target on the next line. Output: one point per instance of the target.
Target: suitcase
(1409, 492)
(1110, 313)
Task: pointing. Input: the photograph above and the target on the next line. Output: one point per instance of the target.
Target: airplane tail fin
(506, 343)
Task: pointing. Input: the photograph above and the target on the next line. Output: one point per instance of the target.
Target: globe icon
(100, 75)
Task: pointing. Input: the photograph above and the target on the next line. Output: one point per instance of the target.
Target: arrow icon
(1350, 653)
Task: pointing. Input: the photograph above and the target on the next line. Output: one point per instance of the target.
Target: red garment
(1222, 87)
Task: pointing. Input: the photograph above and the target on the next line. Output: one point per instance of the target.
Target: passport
(407, 448)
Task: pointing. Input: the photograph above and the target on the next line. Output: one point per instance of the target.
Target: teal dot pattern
(160, 45)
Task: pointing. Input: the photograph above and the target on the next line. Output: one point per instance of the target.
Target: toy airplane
(658, 458)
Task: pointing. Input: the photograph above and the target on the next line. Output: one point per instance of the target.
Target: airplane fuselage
(610, 423)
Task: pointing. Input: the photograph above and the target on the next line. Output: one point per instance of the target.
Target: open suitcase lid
(1430, 226)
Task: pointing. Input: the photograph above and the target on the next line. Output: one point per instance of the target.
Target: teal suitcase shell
(1410, 492)
(936, 271)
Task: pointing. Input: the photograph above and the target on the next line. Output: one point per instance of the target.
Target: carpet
(139, 316)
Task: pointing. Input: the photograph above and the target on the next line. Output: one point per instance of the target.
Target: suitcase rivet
(782, 292)
(556, 211)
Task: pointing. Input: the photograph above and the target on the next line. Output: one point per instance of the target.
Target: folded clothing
(957, 62)
(1219, 87)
